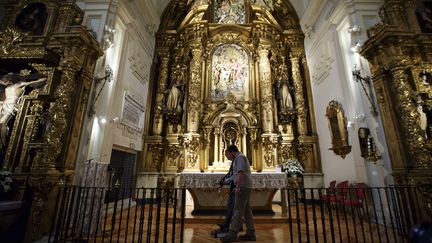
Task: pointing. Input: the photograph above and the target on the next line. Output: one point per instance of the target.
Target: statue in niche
(422, 120)
(12, 93)
(423, 117)
(32, 19)
(424, 78)
(284, 94)
(175, 93)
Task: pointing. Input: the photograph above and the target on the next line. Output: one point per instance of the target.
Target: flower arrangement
(292, 167)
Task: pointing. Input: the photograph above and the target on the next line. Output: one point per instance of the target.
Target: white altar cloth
(211, 180)
(203, 188)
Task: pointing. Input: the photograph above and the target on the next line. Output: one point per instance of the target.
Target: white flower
(292, 167)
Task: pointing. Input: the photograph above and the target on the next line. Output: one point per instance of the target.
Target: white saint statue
(423, 119)
(175, 94)
(285, 99)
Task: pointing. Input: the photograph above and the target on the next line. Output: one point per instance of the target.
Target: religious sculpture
(9, 107)
(175, 93)
(423, 120)
(284, 95)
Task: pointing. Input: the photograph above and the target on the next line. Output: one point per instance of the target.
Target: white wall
(331, 60)
(130, 57)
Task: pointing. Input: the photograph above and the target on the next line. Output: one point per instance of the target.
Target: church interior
(150, 93)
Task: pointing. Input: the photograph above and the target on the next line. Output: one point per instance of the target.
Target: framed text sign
(132, 112)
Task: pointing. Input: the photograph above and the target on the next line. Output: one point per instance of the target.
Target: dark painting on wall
(32, 19)
(424, 16)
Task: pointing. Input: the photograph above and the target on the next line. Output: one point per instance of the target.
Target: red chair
(358, 198)
(330, 196)
(342, 191)
(355, 202)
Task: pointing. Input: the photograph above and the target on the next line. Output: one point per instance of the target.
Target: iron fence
(351, 214)
(151, 215)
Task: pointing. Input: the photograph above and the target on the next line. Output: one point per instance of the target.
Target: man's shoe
(229, 238)
(247, 237)
(218, 232)
(222, 225)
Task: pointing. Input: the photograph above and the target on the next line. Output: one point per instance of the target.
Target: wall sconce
(103, 120)
(355, 29)
(364, 81)
(356, 47)
(107, 77)
(108, 37)
(309, 30)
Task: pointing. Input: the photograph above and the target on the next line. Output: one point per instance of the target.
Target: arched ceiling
(174, 11)
(160, 5)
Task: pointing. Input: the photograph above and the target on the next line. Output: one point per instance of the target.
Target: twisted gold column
(299, 93)
(265, 89)
(194, 97)
(163, 76)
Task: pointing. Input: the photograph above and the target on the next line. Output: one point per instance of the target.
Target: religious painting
(230, 72)
(229, 11)
(338, 129)
(424, 16)
(32, 19)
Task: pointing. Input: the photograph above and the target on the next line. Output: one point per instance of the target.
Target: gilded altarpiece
(400, 53)
(244, 82)
(47, 61)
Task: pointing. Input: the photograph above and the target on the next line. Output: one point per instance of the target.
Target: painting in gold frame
(338, 129)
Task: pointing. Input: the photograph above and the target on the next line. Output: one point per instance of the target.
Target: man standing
(243, 182)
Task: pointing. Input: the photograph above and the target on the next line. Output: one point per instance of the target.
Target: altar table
(208, 198)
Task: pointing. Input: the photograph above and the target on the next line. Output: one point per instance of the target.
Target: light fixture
(103, 120)
(364, 80)
(355, 29)
(115, 119)
(108, 36)
(356, 47)
(107, 77)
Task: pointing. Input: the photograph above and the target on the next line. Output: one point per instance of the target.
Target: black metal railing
(151, 215)
(351, 214)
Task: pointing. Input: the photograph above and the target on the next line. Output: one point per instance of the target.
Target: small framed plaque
(132, 112)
